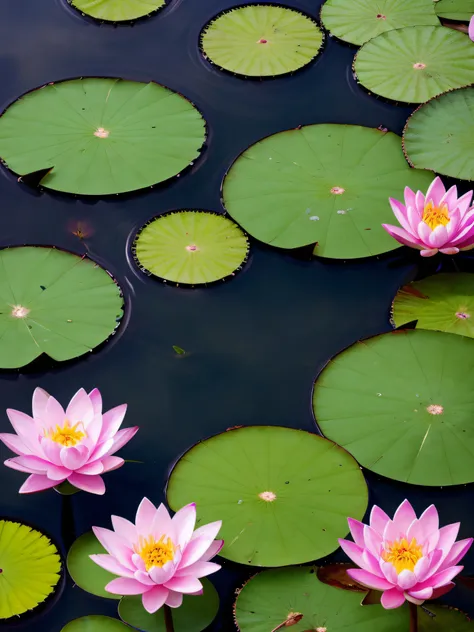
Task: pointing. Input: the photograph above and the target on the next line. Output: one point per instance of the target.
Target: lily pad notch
(191, 247)
(118, 11)
(443, 302)
(54, 302)
(101, 136)
(258, 41)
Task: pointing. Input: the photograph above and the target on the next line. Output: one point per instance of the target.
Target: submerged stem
(168, 619)
(413, 617)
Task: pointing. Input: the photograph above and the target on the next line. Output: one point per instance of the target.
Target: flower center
(67, 435)
(403, 555)
(435, 409)
(155, 552)
(100, 132)
(18, 311)
(268, 497)
(435, 216)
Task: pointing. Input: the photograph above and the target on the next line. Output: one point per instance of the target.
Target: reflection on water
(254, 344)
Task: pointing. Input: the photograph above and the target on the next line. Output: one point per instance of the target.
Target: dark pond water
(254, 344)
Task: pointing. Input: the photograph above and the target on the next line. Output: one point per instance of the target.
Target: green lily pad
(255, 480)
(415, 63)
(444, 302)
(117, 10)
(53, 302)
(101, 136)
(322, 184)
(269, 598)
(402, 404)
(95, 623)
(30, 568)
(84, 572)
(461, 10)
(191, 247)
(194, 615)
(261, 40)
(357, 21)
(438, 135)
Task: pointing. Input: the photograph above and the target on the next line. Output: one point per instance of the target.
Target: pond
(253, 344)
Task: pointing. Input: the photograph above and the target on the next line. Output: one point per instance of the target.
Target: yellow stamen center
(67, 435)
(403, 555)
(435, 216)
(155, 552)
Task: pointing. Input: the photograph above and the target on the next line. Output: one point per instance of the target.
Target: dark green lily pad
(438, 135)
(416, 63)
(191, 247)
(84, 572)
(461, 10)
(117, 10)
(402, 404)
(195, 614)
(95, 623)
(261, 40)
(53, 302)
(357, 21)
(444, 302)
(254, 480)
(101, 136)
(271, 597)
(322, 184)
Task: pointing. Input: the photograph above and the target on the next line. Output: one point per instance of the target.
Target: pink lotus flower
(439, 221)
(76, 445)
(471, 28)
(158, 557)
(407, 558)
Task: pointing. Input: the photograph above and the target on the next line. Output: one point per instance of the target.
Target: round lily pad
(53, 302)
(84, 572)
(101, 136)
(322, 184)
(191, 247)
(357, 22)
(273, 596)
(438, 135)
(415, 63)
(117, 10)
(461, 10)
(444, 302)
(30, 568)
(195, 614)
(95, 623)
(261, 40)
(283, 495)
(402, 404)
